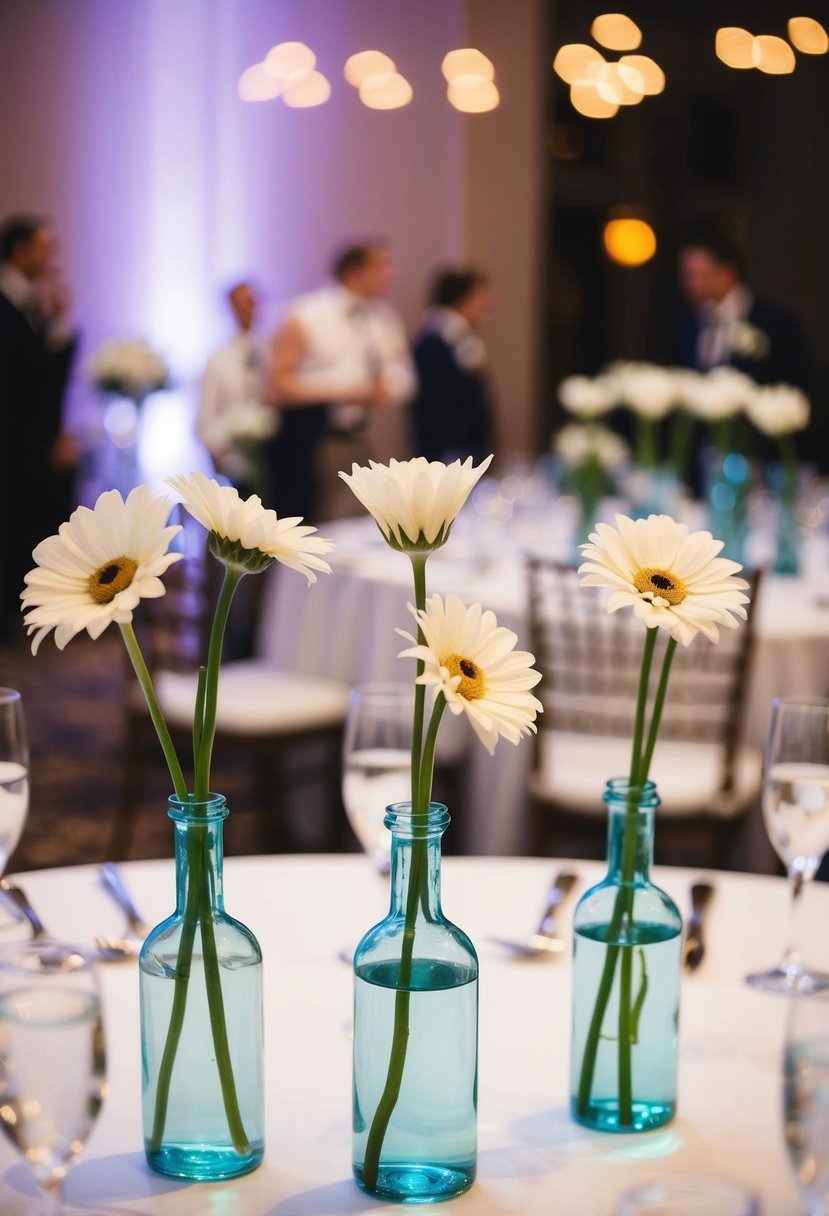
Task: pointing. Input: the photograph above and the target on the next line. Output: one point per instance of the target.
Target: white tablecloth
(343, 626)
(533, 1159)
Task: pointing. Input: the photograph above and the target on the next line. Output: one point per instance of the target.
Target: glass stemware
(806, 1097)
(796, 814)
(52, 1059)
(688, 1195)
(376, 761)
(14, 773)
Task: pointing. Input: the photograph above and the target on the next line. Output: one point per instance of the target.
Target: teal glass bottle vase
(627, 937)
(415, 1077)
(201, 1018)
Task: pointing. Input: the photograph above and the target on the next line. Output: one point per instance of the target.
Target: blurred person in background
(234, 417)
(37, 347)
(452, 412)
(340, 354)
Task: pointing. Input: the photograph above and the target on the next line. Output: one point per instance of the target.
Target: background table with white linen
(533, 1158)
(344, 627)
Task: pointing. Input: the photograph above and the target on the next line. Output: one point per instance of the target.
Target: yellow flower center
(660, 584)
(472, 686)
(111, 578)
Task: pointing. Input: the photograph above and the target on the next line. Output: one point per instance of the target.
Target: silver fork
(17, 896)
(545, 942)
(118, 949)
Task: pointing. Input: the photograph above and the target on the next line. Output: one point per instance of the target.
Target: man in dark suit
(36, 351)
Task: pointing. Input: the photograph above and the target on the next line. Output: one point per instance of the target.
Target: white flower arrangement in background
(128, 366)
(778, 409)
(587, 397)
(648, 390)
(577, 445)
(720, 394)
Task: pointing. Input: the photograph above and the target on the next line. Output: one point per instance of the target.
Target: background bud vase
(785, 479)
(627, 936)
(424, 1110)
(201, 1017)
(727, 478)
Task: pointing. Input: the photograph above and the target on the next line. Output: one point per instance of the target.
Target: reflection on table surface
(533, 1158)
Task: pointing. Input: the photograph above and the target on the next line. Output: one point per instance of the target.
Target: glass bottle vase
(415, 1077)
(627, 936)
(201, 1018)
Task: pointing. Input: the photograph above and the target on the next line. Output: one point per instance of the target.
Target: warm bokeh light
(653, 78)
(572, 60)
(290, 59)
(773, 55)
(467, 62)
(585, 97)
(735, 47)
(473, 94)
(255, 84)
(620, 84)
(364, 64)
(808, 36)
(629, 241)
(309, 89)
(616, 31)
(385, 91)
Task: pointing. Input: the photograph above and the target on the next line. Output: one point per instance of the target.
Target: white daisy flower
(98, 567)
(414, 502)
(672, 578)
(471, 659)
(244, 533)
(587, 397)
(778, 409)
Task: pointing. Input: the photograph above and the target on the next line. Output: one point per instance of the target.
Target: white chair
(290, 723)
(590, 661)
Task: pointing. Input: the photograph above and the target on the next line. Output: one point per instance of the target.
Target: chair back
(590, 662)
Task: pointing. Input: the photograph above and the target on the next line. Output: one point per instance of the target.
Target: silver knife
(693, 948)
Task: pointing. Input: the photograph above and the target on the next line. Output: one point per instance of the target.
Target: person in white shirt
(340, 354)
(234, 416)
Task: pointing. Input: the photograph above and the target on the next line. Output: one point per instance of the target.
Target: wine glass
(806, 1097)
(14, 772)
(796, 814)
(52, 1059)
(377, 749)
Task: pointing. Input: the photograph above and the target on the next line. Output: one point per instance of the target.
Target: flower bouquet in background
(590, 456)
(627, 932)
(415, 973)
(650, 393)
(128, 367)
(200, 969)
(779, 411)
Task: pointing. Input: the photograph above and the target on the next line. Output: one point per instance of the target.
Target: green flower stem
(623, 908)
(419, 571)
(211, 689)
(423, 759)
(145, 680)
(723, 437)
(198, 717)
(182, 980)
(646, 442)
(788, 456)
(681, 443)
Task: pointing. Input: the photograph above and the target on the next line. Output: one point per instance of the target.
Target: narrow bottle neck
(199, 856)
(416, 858)
(630, 831)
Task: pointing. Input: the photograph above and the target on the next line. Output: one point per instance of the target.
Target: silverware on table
(127, 946)
(545, 942)
(18, 898)
(693, 947)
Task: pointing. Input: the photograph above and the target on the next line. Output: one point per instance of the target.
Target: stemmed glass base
(789, 981)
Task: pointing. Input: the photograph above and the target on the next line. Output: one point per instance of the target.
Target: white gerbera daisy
(672, 578)
(471, 659)
(414, 502)
(778, 409)
(98, 567)
(244, 533)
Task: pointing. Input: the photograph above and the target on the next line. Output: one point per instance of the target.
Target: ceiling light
(585, 97)
(629, 241)
(289, 58)
(808, 36)
(364, 64)
(616, 31)
(255, 84)
(467, 62)
(735, 47)
(653, 78)
(572, 60)
(620, 84)
(773, 55)
(473, 94)
(385, 91)
(306, 90)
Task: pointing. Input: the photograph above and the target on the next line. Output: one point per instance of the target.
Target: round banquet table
(532, 1158)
